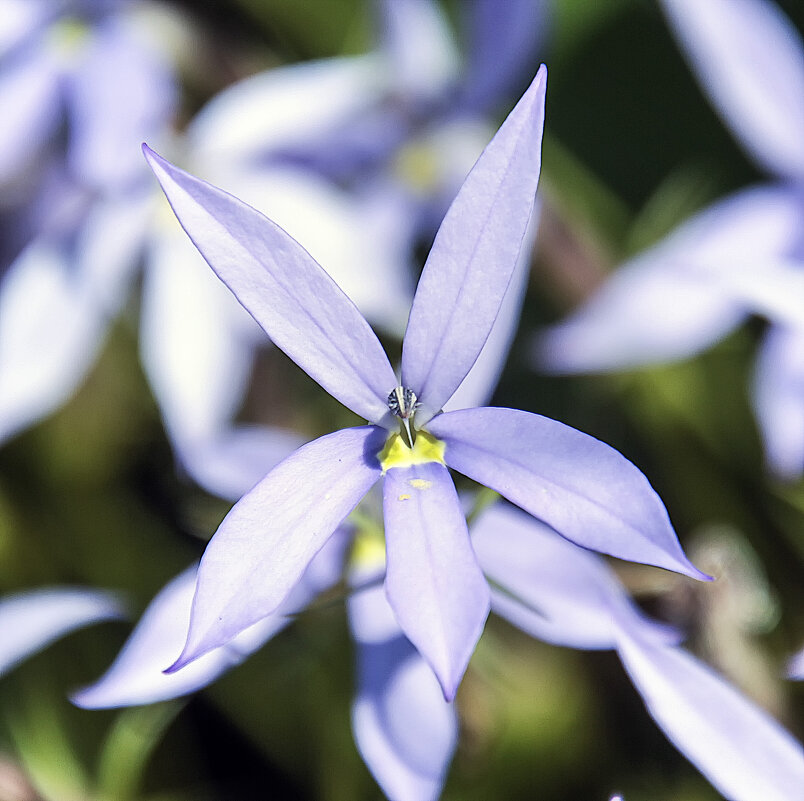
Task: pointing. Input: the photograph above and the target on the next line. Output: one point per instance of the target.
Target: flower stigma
(402, 403)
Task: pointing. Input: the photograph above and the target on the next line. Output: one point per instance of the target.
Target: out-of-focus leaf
(133, 737)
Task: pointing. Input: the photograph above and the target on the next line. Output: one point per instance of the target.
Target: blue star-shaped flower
(581, 487)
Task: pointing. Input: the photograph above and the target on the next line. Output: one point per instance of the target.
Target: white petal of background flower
(29, 621)
(749, 59)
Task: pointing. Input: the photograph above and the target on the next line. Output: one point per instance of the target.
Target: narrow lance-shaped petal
(738, 747)
(419, 47)
(137, 675)
(31, 620)
(404, 729)
(121, 92)
(268, 538)
(777, 292)
(230, 464)
(750, 60)
(109, 245)
(551, 588)
(361, 240)
(650, 311)
(193, 341)
(30, 86)
(481, 381)
(49, 333)
(277, 108)
(286, 291)
(433, 582)
(680, 296)
(473, 257)
(581, 487)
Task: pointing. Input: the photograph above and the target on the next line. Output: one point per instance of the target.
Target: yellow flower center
(397, 453)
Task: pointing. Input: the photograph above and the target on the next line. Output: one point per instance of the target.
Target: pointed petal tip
(81, 698)
(87, 698)
(684, 567)
(449, 679)
(538, 85)
(450, 676)
(688, 569)
(433, 583)
(597, 498)
(198, 646)
(155, 161)
(191, 652)
(184, 659)
(320, 328)
(449, 690)
(474, 256)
